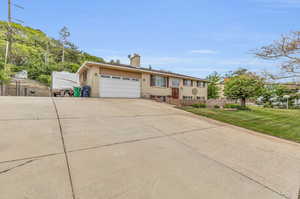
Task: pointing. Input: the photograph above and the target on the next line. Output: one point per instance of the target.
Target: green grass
(276, 122)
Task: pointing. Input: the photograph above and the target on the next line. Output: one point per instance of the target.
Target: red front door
(175, 93)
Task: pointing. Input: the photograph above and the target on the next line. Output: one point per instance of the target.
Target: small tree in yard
(243, 87)
(213, 89)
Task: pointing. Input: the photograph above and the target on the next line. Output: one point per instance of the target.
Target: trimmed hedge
(199, 105)
(235, 106)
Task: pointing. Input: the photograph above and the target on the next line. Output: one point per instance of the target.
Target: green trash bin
(77, 91)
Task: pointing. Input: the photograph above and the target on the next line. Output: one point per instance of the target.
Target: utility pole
(9, 33)
(8, 43)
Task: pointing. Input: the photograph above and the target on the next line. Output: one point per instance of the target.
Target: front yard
(276, 122)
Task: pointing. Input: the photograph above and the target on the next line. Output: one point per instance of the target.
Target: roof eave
(132, 68)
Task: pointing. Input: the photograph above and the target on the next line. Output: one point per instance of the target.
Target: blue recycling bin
(86, 91)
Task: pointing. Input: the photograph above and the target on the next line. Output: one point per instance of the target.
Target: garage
(117, 86)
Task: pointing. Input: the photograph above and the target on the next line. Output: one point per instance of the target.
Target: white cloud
(203, 51)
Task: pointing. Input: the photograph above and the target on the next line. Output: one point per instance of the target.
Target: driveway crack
(64, 147)
(17, 166)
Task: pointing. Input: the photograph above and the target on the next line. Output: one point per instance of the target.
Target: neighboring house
(21, 74)
(133, 81)
(295, 88)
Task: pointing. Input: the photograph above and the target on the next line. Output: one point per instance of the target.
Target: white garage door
(115, 86)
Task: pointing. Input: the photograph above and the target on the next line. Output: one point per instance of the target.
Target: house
(294, 87)
(134, 81)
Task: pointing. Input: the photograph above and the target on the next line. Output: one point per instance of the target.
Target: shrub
(46, 79)
(199, 105)
(202, 105)
(216, 106)
(235, 106)
(268, 106)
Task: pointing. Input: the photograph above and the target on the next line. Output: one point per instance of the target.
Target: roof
(288, 85)
(138, 69)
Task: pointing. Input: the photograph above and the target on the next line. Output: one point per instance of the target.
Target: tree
(4, 73)
(237, 72)
(213, 89)
(64, 34)
(243, 87)
(287, 51)
(39, 54)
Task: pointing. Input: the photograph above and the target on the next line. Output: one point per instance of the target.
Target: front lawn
(277, 122)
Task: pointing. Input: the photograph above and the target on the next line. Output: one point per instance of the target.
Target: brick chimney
(135, 60)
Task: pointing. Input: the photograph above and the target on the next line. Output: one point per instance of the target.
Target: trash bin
(77, 91)
(85, 92)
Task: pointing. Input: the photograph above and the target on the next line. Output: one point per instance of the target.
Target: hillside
(34, 51)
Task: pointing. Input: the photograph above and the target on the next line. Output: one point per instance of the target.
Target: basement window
(200, 98)
(105, 76)
(188, 97)
(115, 77)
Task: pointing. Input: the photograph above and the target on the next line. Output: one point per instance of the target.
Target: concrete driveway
(135, 149)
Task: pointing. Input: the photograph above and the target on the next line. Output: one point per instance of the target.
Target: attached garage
(118, 86)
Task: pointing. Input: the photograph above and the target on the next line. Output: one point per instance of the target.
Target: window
(84, 75)
(159, 81)
(116, 77)
(200, 98)
(134, 79)
(158, 98)
(187, 82)
(188, 97)
(175, 83)
(201, 84)
(105, 76)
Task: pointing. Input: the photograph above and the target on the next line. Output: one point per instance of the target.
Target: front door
(175, 93)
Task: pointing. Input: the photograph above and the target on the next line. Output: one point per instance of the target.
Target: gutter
(84, 65)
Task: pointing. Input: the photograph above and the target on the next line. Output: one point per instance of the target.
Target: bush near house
(216, 106)
(199, 105)
(235, 106)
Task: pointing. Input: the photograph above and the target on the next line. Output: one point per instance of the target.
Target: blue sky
(194, 37)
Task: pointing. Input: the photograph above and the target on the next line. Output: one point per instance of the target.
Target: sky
(193, 37)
